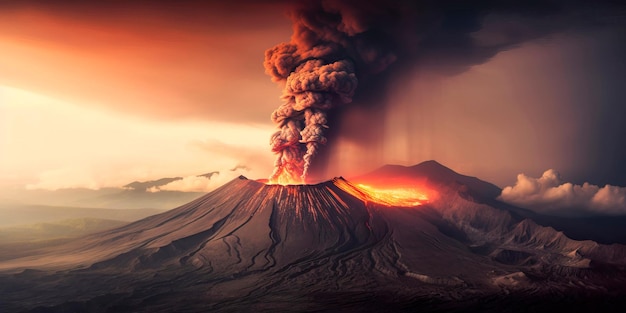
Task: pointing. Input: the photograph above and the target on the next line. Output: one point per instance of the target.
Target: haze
(102, 95)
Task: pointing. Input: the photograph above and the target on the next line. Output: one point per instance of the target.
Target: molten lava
(285, 178)
(405, 197)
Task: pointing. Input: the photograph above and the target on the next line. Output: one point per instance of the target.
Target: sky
(103, 94)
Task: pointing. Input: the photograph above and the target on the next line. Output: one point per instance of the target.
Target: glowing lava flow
(404, 196)
(407, 195)
(285, 179)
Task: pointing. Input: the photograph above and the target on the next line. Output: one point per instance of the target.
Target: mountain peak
(433, 172)
(433, 165)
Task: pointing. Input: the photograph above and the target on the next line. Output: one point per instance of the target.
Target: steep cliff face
(252, 245)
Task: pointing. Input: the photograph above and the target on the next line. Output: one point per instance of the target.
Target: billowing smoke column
(310, 91)
(318, 71)
(337, 44)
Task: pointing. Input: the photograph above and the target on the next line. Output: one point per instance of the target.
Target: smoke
(337, 45)
(318, 70)
(549, 194)
(311, 89)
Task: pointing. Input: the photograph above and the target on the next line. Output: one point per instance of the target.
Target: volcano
(250, 246)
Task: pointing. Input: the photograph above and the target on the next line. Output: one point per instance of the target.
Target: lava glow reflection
(396, 194)
(406, 197)
(286, 179)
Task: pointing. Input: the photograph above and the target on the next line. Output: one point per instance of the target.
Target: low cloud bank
(151, 184)
(548, 194)
(204, 182)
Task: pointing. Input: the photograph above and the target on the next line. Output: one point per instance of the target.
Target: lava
(405, 197)
(285, 178)
(402, 195)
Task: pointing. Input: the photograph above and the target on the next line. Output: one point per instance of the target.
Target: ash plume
(337, 45)
(310, 90)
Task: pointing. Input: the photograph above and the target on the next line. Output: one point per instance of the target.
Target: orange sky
(94, 97)
(102, 102)
(146, 65)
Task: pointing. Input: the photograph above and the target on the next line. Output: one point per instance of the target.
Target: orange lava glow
(286, 179)
(392, 194)
(405, 196)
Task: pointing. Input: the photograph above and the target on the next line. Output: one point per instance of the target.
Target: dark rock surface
(248, 246)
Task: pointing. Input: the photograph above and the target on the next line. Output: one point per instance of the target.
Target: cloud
(198, 183)
(240, 167)
(209, 174)
(549, 194)
(188, 184)
(151, 184)
(193, 183)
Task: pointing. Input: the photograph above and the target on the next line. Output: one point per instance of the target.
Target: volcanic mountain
(250, 246)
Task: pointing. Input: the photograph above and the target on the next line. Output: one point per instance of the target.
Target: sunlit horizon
(52, 144)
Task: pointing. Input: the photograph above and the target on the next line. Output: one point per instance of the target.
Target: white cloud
(549, 194)
(189, 183)
(199, 183)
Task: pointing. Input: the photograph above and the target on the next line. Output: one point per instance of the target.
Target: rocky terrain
(249, 246)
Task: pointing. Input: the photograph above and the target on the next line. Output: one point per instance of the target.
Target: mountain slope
(603, 229)
(252, 246)
(24, 240)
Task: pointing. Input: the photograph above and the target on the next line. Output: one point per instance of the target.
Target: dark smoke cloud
(337, 45)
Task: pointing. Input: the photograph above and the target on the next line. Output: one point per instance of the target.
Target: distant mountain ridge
(145, 185)
(105, 198)
(57, 229)
(434, 172)
(604, 229)
(14, 215)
